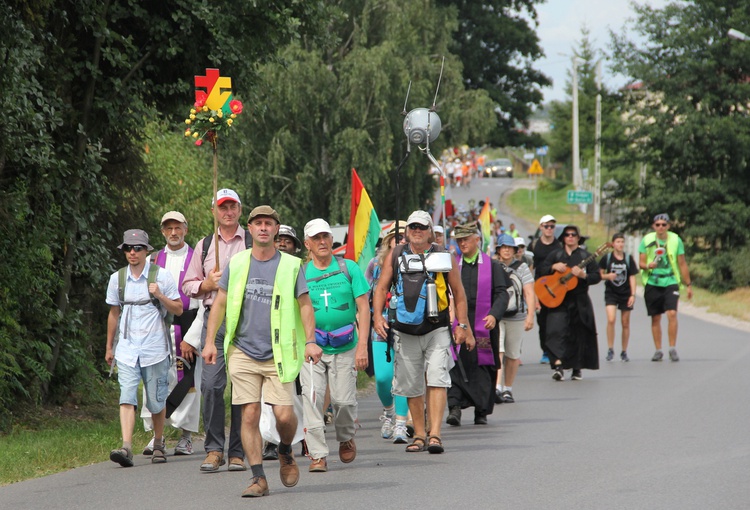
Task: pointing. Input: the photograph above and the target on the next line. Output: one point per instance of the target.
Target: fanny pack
(336, 338)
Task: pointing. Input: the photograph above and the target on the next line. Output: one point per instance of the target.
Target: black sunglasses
(418, 226)
(570, 234)
(548, 226)
(138, 248)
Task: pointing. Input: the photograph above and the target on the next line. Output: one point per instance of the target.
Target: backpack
(516, 303)
(206, 244)
(626, 259)
(410, 296)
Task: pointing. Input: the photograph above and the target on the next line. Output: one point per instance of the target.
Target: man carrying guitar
(571, 329)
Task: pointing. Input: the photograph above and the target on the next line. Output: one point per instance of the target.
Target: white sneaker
(149, 449)
(184, 447)
(386, 430)
(399, 433)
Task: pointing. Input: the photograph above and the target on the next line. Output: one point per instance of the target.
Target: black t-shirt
(624, 268)
(541, 251)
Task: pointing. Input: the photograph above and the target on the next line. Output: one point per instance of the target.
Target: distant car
(498, 168)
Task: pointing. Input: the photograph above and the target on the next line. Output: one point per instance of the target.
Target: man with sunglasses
(202, 282)
(143, 343)
(664, 271)
(571, 329)
(541, 248)
(422, 345)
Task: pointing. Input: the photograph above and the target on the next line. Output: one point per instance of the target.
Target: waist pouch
(336, 338)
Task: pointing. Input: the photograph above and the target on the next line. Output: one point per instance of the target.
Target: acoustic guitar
(551, 289)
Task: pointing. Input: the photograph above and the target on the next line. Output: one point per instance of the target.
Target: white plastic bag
(268, 423)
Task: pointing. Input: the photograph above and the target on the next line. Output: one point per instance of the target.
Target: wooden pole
(214, 144)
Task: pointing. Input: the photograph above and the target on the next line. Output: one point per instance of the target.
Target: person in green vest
(270, 332)
(664, 272)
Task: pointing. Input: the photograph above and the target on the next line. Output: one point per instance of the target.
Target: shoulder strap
(516, 264)
(121, 279)
(342, 269)
(395, 254)
(609, 257)
(206, 244)
(248, 240)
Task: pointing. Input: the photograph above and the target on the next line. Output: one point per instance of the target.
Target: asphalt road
(638, 435)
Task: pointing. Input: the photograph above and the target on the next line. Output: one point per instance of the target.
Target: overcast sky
(559, 31)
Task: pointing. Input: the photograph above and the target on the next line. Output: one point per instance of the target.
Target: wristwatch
(463, 326)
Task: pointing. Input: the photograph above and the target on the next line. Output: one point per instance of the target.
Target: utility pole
(598, 146)
(577, 178)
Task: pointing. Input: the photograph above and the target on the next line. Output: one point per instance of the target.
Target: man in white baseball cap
(545, 244)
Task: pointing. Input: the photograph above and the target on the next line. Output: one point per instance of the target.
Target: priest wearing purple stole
(473, 376)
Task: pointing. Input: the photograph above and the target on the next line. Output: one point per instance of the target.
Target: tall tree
(689, 125)
(497, 44)
(328, 109)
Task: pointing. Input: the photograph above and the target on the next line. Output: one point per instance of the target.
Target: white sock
(388, 411)
(508, 388)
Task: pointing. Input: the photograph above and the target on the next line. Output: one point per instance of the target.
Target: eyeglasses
(570, 234)
(660, 224)
(548, 226)
(418, 226)
(128, 248)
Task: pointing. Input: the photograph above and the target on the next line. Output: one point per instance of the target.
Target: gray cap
(286, 230)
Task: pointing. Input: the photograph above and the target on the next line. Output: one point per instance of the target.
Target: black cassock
(571, 328)
(479, 391)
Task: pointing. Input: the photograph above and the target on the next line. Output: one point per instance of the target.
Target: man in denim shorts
(143, 341)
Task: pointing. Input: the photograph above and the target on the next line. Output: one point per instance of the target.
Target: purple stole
(482, 310)
(161, 261)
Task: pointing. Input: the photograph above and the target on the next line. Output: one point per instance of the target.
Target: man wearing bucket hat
(486, 285)
(139, 296)
(287, 240)
(664, 273)
(571, 338)
(202, 282)
(421, 324)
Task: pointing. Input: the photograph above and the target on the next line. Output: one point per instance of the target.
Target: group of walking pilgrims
(438, 327)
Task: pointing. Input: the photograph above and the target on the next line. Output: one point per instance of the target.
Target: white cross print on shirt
(325, 295)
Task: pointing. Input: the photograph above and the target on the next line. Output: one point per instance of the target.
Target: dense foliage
(688, 123)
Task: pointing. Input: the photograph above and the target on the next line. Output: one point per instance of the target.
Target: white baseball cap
(520, 242)
(546, 218)
(224, 195)
(317, 226)
(438, 229)
(421, 217)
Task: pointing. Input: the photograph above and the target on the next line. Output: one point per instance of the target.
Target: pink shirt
(195, 274)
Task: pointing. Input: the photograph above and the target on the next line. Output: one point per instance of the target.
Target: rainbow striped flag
(486, 221)
(364, 226)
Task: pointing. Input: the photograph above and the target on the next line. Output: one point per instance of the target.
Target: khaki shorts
(417, 355)
(511, 338)
(252, 379)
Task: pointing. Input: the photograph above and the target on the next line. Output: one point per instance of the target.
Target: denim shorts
(155, 382)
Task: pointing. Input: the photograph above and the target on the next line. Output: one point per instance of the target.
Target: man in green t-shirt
(339, 294)
(664, 271)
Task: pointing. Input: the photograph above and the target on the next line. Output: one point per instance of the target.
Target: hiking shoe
(610, 354)
(508, 397)
(149, 449)
(658, 356)
(454, 416)
(184, 446)
(558, 374)
(399, 433)
(318, 465)
(236, 464)
(288, 469)
(271, 452)
(673, 355)
(624, 356)
(577, 375)
(498, 396)
(545, 359)
(386, 430)
(480, 419)
(159, 455)
(257, 488)
(123, 456)
(212, 461)
(347, 451)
